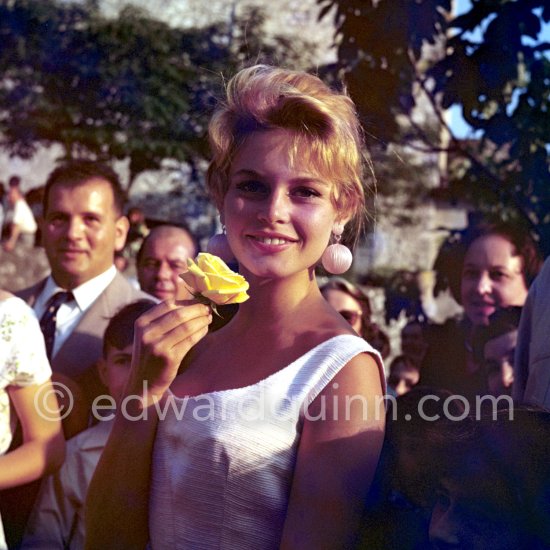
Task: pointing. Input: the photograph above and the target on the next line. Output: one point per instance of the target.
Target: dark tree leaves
(490, 62)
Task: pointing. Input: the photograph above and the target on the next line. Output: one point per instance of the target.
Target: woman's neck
(274, 301)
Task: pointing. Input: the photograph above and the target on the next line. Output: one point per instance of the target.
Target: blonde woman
(281, 434)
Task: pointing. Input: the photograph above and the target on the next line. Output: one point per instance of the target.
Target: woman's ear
(342, 221)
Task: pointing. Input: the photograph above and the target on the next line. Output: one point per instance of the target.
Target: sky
(459, 126)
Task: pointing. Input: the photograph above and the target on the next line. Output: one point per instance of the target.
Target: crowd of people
(133, 416)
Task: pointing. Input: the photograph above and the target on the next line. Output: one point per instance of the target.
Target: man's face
(81, 232)
(163, 258)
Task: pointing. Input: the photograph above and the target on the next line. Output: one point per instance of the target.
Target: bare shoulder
(361, 374)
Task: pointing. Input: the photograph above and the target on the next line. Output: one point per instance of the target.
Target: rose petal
(211, 277)
(222, 298)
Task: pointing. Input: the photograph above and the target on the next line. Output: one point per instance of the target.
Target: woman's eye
(251, 187)
(306, 192)
(469, 274)
(497, 275)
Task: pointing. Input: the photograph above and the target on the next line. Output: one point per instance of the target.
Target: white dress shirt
(70, 313)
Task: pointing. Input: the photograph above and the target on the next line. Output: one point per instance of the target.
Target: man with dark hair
(83, 227)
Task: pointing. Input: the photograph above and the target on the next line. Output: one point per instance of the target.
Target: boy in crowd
(404, 375)
(57, 520)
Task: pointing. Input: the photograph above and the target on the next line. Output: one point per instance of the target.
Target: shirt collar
(85, 294)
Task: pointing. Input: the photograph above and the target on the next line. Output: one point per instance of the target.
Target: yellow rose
(210, 277)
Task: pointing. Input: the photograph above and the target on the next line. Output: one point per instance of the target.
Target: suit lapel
(83, 347)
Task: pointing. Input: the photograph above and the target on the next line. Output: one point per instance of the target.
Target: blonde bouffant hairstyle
(323, 123)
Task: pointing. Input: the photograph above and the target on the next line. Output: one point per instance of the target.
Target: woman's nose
(276, 207)
(484, 284)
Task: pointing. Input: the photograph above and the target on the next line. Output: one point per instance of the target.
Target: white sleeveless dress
(223, 462)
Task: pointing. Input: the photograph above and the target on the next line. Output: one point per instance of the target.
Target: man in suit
(83, 227)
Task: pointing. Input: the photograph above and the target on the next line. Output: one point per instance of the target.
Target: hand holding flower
(162, 338)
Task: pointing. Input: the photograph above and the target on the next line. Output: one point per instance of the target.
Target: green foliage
(130, 87)
(490, 62)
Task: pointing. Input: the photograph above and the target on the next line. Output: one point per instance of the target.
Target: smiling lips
(485, 308)
(271, 240)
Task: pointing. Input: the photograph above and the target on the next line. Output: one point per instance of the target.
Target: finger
(167, 313)
(186, 302)
(181, 333)
(181, 349)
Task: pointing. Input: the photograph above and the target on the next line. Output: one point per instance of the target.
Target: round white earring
(218, 245)
(337, 258)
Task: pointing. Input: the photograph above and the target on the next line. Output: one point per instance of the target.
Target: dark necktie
(49, 318)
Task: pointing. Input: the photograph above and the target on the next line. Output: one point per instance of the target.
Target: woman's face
(347, 306)
(492, 277)
(278, 216)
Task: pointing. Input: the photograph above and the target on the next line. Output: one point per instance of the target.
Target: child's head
(404, 374)
(494, 348)
(114, 368)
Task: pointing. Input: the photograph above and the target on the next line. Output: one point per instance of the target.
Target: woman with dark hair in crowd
(489, 267)
(350, 302)
(354, 306)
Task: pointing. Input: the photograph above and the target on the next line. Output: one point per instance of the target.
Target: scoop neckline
(271, 376)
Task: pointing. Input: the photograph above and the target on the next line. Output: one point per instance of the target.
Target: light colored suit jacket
(84, 345)
(532, 361)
